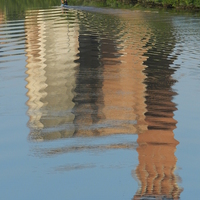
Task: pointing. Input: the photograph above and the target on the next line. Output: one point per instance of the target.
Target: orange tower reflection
(157, 164)
(123, 87)
(157, 145)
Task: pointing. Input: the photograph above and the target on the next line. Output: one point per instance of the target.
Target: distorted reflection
(51, 75)
(89, 81)
(1, 17)
(1, 22)
(157, 145)
(110, 91)
(123, 87)
(81, 79)
(96, 75)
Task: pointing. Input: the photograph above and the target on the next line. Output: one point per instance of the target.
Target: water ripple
(92, 73)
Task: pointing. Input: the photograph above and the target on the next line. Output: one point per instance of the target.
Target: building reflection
(80, 82)
(110, 89)
(1, 17)
(51, 49)
(88, 98)
(84, 82)
(1, 22)
(123, 87)
(157, 145)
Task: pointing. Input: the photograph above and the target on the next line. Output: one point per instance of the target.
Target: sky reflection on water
(105, 94)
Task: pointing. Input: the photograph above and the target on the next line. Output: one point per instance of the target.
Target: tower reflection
(83, 81)
(157, 145)
(88, 79)
(123, 87)
(88, 98)
(110, 93)
(51, 51)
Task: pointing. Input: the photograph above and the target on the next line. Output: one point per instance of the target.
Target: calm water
(99, 104)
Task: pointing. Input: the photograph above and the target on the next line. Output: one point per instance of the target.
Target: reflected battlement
(157, 164)
(157, 145)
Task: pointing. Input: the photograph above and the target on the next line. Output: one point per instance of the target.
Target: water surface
(99, 104)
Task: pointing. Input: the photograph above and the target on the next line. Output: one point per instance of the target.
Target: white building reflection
(51, 50)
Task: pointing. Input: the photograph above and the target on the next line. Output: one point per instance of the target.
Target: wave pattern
(85, 73)
(12, 60)
(156, 145)
(51, 51)
(110, 90)
(94, 74)
(102, 73)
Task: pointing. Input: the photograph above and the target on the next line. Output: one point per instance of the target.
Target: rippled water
(99, 104)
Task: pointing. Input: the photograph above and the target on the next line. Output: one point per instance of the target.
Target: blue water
(99, 104)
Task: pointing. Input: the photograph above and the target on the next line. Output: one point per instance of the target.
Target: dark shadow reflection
(88, 84)
(157, 145)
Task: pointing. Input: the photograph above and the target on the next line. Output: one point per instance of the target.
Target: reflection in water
(110, 92)
(123, 86)
(88, 81)
(94, 75)
(1, 22)
(97, 88)
(1, 17)
(51, 75)
(157, 145)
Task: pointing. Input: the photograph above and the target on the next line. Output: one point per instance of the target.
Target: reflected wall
(89, 80)
(51, 49)
(157, 145)
(110, 93)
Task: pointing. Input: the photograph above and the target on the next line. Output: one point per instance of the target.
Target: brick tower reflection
(123, 87)
(88, 83)
(157, 145)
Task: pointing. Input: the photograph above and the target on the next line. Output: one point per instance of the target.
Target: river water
(99, 104)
